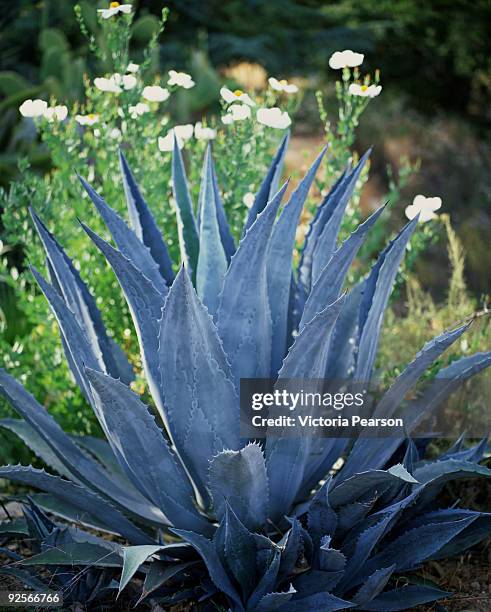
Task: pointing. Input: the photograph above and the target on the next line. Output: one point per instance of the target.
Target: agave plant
(234, 523)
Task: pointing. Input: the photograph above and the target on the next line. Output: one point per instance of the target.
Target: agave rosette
(208, 515)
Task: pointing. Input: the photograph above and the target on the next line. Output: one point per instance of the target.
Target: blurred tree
(437, 51)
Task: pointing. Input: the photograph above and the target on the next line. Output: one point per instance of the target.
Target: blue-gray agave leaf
(240, 552)
(368, 454)
(243, 318)
(321, 518)
(322, 215)
(101, 450)
(143, 452)
(353, 488)
(226, 237)
(412, 373)
(74, 462)
(275, 601)
(77, 496)
(374, 585)
(66, 279)
(293, 549)
(194, 373)
(267, 582)
(415, 546)
(320, 601)
(446, 382)
(449, 469)
(378, 288)
(287, 457)
(133, 557)
(239, 478)
(342, 349)
(359, 546)
(126, 240)
(269, 186)
(280, 258)
(145, 303)
(186, 224)
(212, 259)
(143, 222)
(213, 563)
(330, 559)
(330, 281)
(326, 244)
(35, 442)
(405, 598)
(158, 574)
(476, 532)
(80, 350)
(316, 581)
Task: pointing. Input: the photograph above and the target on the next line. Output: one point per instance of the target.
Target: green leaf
(133, 557)
(159, 573)
(76, 554)
(17, 526)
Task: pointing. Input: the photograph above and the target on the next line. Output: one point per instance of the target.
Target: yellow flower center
(91, 116)
(238, 93)
(283, 82)
(114, 5)
(364, 87)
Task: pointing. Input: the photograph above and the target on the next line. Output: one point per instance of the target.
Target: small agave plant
(229, 523)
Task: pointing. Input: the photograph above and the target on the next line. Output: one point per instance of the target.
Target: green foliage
(405, 333)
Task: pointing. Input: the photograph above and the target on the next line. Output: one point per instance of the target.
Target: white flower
(128, 81)
(248, 199)
(114, 82)
(365, 91)
(139, 109)
(33, 108)
(59, 112)
(273, 117)
(110, 85)
(236, 96)
(237, 112)
(181, 79)
(345, 59)
(166, 143)
(89, 119)
(282, 85)
(182, 133)
(132, 67)
(204, 133)
(423, 206)
(155, 93)
(114, 9)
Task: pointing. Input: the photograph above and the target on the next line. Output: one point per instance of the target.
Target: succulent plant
(240, 524)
